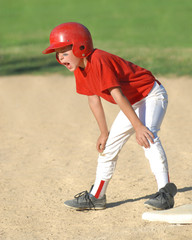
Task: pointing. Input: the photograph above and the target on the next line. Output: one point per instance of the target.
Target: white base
(177, 215)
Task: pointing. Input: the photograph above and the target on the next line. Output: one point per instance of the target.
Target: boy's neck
(83, 63)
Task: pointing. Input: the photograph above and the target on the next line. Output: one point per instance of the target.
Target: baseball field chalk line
(178, 215)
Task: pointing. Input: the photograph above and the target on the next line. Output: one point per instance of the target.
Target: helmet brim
(53, 47)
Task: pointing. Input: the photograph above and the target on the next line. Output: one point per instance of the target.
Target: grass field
(154, 34)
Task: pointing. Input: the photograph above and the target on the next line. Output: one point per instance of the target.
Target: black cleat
(164, 199)
(85, 201)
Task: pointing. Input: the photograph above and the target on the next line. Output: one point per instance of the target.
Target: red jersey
(105, 70)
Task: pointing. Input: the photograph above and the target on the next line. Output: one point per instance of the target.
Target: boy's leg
(120, 132)
(151, 112)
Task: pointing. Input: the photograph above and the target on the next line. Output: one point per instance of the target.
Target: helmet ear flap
(82, 47)
(79, 50)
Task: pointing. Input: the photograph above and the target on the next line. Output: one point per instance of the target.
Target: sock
(162, 179)
(99, 188)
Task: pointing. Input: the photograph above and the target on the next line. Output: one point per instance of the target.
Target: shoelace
(85, 195)
(163, 195)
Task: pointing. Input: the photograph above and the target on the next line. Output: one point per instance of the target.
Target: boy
(142, 100)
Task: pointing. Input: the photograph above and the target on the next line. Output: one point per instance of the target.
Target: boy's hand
(143, 136)
(101, 142)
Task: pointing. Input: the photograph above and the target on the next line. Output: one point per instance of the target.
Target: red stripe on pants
(99, 189)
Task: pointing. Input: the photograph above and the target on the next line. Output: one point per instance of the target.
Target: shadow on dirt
(115, 204)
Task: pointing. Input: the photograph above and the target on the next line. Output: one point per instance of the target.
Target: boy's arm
(143, 135)
(97, 109)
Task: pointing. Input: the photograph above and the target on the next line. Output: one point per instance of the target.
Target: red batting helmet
(71, 33)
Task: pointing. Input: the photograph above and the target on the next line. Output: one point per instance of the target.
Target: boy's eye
(65, 54)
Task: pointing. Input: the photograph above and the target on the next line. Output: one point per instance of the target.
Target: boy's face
(69, 60)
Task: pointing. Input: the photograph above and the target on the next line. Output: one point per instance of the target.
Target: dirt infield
(47, 155)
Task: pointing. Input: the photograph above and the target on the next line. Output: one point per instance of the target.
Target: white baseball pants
(151, 111)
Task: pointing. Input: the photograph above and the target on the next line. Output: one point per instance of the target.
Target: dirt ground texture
(48, 154)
